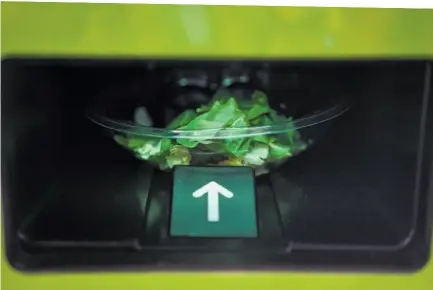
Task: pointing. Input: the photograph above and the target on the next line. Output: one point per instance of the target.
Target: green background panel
(130, 30)
(89, 30)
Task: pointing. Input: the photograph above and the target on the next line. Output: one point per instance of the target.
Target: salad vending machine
(311, 155)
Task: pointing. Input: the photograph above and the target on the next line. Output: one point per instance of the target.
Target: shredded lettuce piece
(224, 111)
(179, 155)
(182, 120)
(257, 155)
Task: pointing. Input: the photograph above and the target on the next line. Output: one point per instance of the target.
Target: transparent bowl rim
(319, 117)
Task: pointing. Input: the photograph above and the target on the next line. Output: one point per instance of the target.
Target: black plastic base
(131, 211)
(357, 200)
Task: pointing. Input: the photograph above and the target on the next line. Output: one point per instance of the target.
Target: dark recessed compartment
(359, 198)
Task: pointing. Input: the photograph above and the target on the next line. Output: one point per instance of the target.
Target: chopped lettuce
(257, 155)
(179, 155)
(224, 111)
(232, 162)
(144, 148)
(182, 120)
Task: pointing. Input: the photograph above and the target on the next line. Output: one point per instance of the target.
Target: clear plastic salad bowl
(225, 132)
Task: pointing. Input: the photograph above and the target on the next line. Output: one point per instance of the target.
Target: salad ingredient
(223, 112)
(179, 155)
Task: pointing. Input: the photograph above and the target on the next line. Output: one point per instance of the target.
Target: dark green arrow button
(213, 202)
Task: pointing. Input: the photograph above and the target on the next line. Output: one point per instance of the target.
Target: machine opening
(339, 152)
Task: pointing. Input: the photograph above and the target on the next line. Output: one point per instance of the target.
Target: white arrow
(213, 191)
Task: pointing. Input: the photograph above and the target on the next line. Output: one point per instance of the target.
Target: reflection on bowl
(225, 132)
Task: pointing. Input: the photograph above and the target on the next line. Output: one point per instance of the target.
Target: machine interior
(73, 197)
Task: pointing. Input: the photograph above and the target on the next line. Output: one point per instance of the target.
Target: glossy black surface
(358, 199)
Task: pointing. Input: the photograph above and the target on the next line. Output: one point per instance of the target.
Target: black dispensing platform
(359, 199)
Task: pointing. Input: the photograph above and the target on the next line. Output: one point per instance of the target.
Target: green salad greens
(221, 113)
